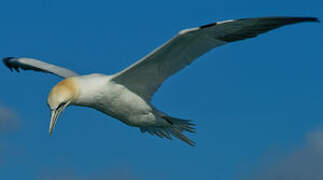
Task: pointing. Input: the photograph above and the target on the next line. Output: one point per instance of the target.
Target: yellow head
(62, 95)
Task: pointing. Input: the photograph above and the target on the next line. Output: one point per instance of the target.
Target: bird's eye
(61, 105)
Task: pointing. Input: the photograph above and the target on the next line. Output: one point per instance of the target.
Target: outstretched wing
(146, 75)
(37, 65)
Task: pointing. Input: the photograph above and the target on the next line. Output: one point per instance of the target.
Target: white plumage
(126, 95)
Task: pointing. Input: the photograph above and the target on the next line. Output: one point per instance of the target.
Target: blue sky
(257, 103)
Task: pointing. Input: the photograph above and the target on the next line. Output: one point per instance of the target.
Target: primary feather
(37, 65)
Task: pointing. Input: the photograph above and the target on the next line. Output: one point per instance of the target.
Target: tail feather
(183, 125)
(177, 133)
(176, 129)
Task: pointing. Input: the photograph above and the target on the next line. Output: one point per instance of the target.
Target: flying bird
(127, 95)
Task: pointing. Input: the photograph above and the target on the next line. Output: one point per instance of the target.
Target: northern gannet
(126, 95)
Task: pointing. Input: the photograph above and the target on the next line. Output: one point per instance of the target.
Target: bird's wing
(37, 65)
(146, 75)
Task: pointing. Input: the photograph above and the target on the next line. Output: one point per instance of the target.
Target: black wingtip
(291, 19)
(302, 19)
(207, 25)
(310, 19)
(317, 20)
(6, 61)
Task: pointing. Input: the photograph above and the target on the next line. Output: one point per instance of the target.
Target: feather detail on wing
(146, 75)
(37, 65)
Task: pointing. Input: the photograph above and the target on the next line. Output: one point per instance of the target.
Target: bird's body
(126, 95)
(99, 92)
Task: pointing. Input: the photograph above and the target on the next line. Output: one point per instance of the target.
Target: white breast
(97, 91)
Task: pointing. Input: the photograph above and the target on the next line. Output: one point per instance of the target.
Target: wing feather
(146, 75)
(37, 65)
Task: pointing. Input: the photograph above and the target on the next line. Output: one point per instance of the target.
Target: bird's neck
(91, 88)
